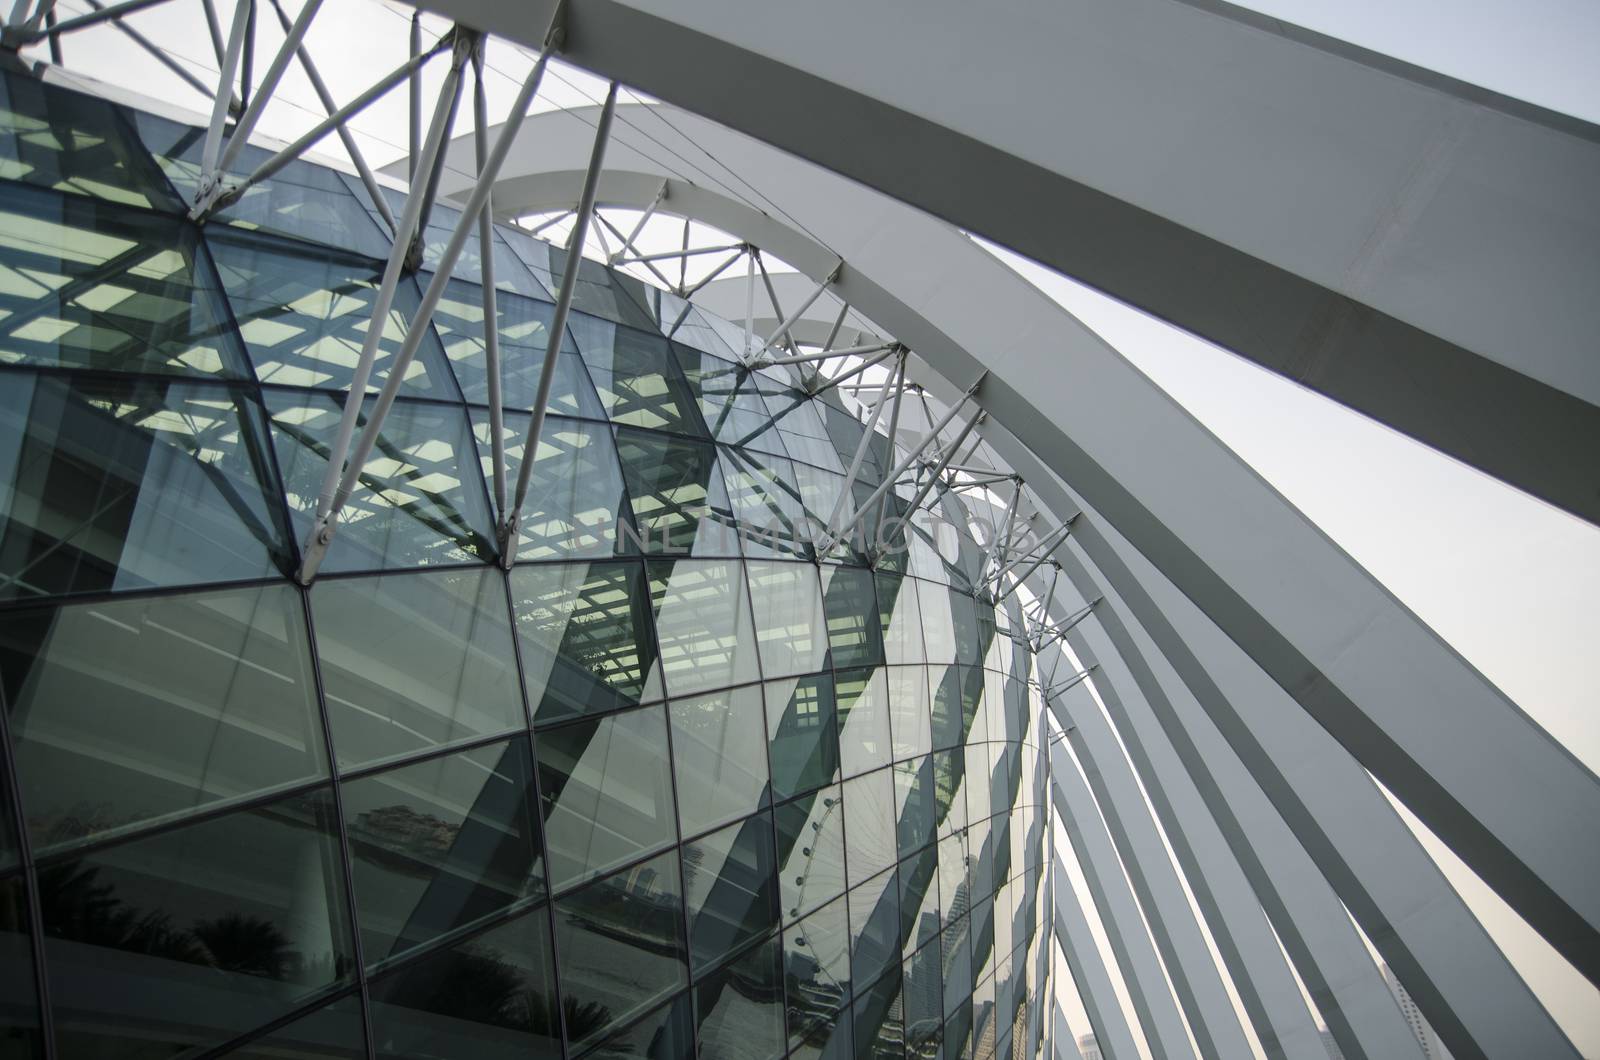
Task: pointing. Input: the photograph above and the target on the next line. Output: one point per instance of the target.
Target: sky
(1510, 582)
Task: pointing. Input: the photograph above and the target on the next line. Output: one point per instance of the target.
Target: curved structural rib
(1416, 248)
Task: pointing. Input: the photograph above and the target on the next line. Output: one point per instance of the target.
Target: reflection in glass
(720, 757)
(84, 284)
(304, 311)
(638, 380)
(804, 748)
(729, 401)
(333, 1032)
(938, 629)
(19, 999)
(874, 927)
(816, 970)
(125, 712)
(740, 1007)
(665, 1034)
(606, 791)
(703, 624)
(810, 834)
(133, 484)
(900, 620)
(412, 661)
(731, 885)
(869, 824)
(864, 742)
(439, 844)
(924, 1007)
(621, 946)
(800, 425)
(919, 902)
(765, 501)
(679, 501)
(879, 1017)
(575, 507)
(854, 635)
(231, 922)
(915, 804)
(417, 503)
(585, 635)
(908, 711)
(790, 629)
(950, 801)
(492, 996)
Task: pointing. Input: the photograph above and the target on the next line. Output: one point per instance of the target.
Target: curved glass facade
(676, 785)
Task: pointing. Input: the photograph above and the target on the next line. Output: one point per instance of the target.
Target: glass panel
(740, 1007)
(731, 883)
(958, 1034)
(332, 1032)
(766, 503)
(956, 950)
(954, 702)
(964, 617)
(413, 661)
(729, 401)
(816, 970)
(875, 926)
(953, 887)
(133, 484)
(665, 1034)
(804, 749)
(125, 712)
(908, 711)
(232, 922)
(575, 507)
(923, 995)
(10, 851)
(703, 623)
(621, 946)
(638, 381)
(790, 628)
(602, 295)
(810, 850)
(20, 1034)
(878, 1018)
(938, 628)
(606, 787)
(950, 802)
(84, 284)
(919, 902)
(491, 997)
(900, 620)
(819, 492)
(864, 742)
(524, 334)
(978, 808)
(437, 845)
(719, 749)
(511, 275)
(915, 804)
(869, 824)
(854, 634)
(675, 487)
(418, 502)
(302, 199)
(800, 424)
(585, 633)
(303, 312)
(55, 138)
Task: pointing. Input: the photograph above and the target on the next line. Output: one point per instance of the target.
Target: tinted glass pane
(665, 1034)
(729, 402)
(816, 969)
(852, 611)
(790, 627)
(412, 661)
(810, 851)
(977, 785)
(864, 742)
(953, 888)
(950, 800)
(437, 845)
(956, 953)
(575, 507)
(740, 1007)
(800, 424)
(879, 1019)
(10, 852)
(232, 923)
(804, 749)
(732, 888)
(418, 502)
(602, 295)
(84, 284)
(55, 138)
(19, 999)
(914, 804)
(621, 946)
(607, 793)
(679, 502)
(919, 902)
(304, 312)
(720, 752)
(923, 994)
(586, 640)
(524, 333)
(492, 996)
(874, 927)
(638, 380)
(964, 616)
(899, 619)
(950, 691)
(908, 711)
(332, 1032)
(938, 629)
(302, 199)
(699, 332)
(703, 623)
(869, 824)
(131, 485)
(130, 711)
(819, 493)
(765, 499)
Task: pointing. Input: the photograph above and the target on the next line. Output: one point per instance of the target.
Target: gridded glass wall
(675, 786)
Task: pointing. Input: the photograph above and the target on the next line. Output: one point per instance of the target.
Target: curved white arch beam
(1481, 774)
(1417, 248)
